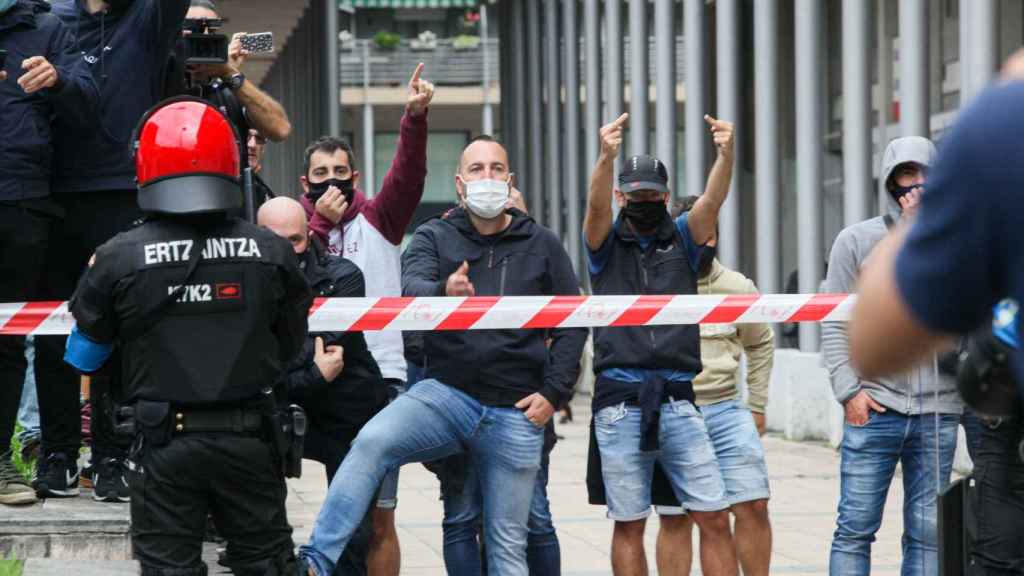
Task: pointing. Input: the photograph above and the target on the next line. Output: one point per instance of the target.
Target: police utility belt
(153, 424)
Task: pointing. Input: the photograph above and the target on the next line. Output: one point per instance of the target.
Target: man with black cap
(643, 403)
(206, 311)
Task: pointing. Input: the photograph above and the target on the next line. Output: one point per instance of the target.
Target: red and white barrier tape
(489, 312)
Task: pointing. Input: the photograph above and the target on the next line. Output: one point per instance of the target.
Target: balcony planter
(466, 42)
(346, 40)
(426, 41)
(386, 40)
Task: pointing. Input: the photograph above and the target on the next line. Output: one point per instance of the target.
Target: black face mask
(645, 216)
(707, 258)
(318, 189)
(898, 191)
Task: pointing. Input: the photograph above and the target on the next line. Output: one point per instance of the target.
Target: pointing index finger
(621, 119)
(416, 74)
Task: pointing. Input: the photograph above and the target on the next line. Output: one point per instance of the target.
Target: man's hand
(332, 205)
(237, 54)
(1013, 69)
(421, 93)
(857, 408)
(611, 137)
(39, 74)
(516, 200)
(537, 409)
(909, 203)
(722, 133)
(759, 422)
(458, 283)
(330, 361)
(3, 75)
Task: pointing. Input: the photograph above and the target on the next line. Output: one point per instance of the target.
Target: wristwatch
(236, 81)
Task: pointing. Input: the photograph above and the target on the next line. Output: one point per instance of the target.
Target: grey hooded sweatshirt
(912, 393)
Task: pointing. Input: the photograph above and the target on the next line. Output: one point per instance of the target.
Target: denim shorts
(685, 453)
(739, 452)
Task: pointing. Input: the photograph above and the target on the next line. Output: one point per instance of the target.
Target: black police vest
(217, 342)
(663, 268)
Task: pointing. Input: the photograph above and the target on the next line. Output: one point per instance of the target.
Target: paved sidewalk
(804, 480)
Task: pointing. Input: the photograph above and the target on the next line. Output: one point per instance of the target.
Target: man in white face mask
(488, 394)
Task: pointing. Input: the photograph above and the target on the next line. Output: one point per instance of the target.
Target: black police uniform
(197, 369)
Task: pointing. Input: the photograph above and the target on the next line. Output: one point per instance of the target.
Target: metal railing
(450, 66)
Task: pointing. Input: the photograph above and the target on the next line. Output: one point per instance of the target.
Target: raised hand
(330, 360)
(458, 283)
(421, 93)
(722, 133)
(611, 136)
(332, 205)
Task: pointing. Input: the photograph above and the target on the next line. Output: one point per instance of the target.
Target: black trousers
(91, 219)
(24, 234)
(235, 479)
(996, 530)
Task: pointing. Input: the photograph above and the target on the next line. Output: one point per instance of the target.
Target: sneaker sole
(18, 499)
(111, 499)
(47, 493)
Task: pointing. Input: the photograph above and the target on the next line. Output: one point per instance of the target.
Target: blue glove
(84, 354)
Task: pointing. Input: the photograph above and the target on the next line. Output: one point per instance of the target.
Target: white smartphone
(259, 43)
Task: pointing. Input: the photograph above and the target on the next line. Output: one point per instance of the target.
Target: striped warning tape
(508, 312)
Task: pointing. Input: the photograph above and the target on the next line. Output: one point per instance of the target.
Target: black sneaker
(58, 477)
(109, 483)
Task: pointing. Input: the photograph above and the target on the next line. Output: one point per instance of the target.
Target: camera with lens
(202, 44)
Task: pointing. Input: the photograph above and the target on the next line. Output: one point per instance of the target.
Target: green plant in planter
(466, 42)
(386, 40)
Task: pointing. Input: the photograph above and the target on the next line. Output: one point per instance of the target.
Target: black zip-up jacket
(338, 409)
(126, 52)
(28, 29)
(497, 367)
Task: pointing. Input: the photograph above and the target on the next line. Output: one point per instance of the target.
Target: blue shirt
(596, 261)
(965, 252)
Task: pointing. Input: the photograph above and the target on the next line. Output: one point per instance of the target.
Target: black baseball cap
(643, 172)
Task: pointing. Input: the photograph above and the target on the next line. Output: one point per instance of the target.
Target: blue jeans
(429, 422)
(869, 457)
(462, 523)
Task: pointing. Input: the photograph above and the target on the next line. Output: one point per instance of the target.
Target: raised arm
(597, 224)
(703, 219)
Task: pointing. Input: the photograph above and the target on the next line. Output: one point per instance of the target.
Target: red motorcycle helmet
(187, 159)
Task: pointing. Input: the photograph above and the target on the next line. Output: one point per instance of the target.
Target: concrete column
(978, 46)
(516, 29)
(766, 144)
(727, 45)
(809, 143)
(857, 180)
(553, 117)
(665, 79)
(535, 103)
(369, 184)
(915, 111)
(487, 119)
(571, 169)
(638, 78)
(333, 69)
(885, 92)
(592, 68)
(613, 76)
(695, 79)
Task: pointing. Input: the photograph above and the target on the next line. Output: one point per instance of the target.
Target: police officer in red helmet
(205, 310)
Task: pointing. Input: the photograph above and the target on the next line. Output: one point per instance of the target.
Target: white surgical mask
(486, 198)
